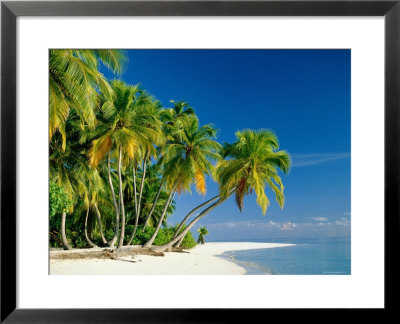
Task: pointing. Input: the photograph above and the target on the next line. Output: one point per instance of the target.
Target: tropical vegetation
(118, 157)
(202, 232)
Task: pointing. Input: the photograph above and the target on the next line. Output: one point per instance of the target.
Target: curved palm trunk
(141, 189)
(65, 243)
(169, 245)
(191, 212)
(179, 243)
(103, 239)
(136, 203)
(116, 207)
(89, 242)
(150, 242)
(121, 198)
(153, 206)
(134, 188)
(139, 203)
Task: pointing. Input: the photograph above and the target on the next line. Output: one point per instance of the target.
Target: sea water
(306, 257)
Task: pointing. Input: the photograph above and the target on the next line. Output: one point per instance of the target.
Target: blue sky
(302, 95)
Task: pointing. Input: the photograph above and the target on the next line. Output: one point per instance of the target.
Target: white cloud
(343, 222)
(288, 226)
(273, 223)
(302, 160)
(320, 219)
(267, 229)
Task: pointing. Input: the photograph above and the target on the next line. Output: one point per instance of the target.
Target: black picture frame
(10, 10)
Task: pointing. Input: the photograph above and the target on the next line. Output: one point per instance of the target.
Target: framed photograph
(198, 161)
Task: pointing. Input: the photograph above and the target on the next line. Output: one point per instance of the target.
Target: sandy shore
(203, 259)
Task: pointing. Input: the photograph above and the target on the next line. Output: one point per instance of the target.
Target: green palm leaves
(251, 163)
(114, 135)
(202, 232)
(75, 83)
(68, 165)
(126, 122)
(186, 158)
(176, 119)
(189, 157)
(130, 126)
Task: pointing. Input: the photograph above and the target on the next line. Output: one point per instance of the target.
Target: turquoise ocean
(306, 257)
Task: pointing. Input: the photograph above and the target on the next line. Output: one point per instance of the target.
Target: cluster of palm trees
(118, 154)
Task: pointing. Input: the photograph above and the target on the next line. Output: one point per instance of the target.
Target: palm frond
(100, 148)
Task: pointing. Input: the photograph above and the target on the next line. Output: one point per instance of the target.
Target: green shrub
(77, 237)
(58, 201)
(188, 242)
(140, 238)
(108, 234)
(164, 235)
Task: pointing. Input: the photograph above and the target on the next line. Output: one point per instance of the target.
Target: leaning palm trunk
(65, 243)
(121, 198)
(103, 239)
(153, 207)
(89, 242)
(116, 207)
(190, 214)
(150, 242)
(169, 245)
(179, 243)
(141, 190)
(139, 203)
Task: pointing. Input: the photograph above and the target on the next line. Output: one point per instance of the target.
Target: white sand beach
(202, 259)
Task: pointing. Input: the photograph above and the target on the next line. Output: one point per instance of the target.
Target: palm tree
(114, 133)
(178, 117)
(150, 190)
(250, 164)
(67, 167)
(175, 120)
(94, 188)
(88, 187)
(153, 192)
(75, 83)
(99, 220)
(183, 222)
(202, 232)
(88, 240)
(121, 130)
(100, 199)
(147, 114)
(158, 208)
(187, 161)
